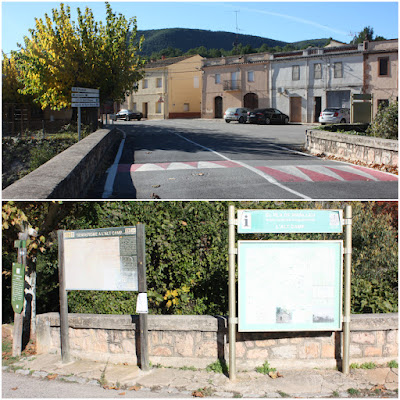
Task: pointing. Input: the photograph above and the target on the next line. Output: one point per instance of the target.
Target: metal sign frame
(233, 320)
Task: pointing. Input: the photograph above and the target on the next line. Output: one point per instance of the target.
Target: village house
(235, 81)
(381, 72)
(171, 88)
(305, 82)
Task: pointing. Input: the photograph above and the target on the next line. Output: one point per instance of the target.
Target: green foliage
(265, 369)
(59, 54)
(187, 253)
(393, 364)
(366, 365)
(218, 366)
(385, 123)
(353, 392)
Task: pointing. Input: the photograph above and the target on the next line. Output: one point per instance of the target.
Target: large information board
(290, 285)
(101, 259)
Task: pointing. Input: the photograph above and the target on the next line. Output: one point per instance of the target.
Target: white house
(305, 82)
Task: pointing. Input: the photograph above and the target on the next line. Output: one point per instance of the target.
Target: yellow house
(171, 88)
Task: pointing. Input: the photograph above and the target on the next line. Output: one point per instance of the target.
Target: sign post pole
(347, 288)
(142, 289)
(232, 295)
(63, 300)
(79, 124)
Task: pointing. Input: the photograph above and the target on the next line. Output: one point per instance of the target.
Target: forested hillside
(157, 40)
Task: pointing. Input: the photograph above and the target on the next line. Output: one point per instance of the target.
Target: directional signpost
(17, 287)
(84, 97)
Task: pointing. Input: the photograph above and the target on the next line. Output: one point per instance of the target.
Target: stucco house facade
(381, 71)
(235, 81)
(171, 88)
(305, 82)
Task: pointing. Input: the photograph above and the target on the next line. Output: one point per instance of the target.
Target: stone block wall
(69, 174)
(353, 147)
(200, 340)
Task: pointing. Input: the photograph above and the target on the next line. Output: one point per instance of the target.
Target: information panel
(290, 285)
(290, 221)
(101, 259)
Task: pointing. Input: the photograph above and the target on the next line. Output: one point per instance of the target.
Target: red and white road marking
(303, 173)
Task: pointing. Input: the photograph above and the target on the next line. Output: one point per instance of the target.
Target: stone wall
(353, 147)
(200, 340)
(69, 174)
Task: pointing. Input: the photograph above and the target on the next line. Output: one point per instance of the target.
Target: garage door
(338, 98)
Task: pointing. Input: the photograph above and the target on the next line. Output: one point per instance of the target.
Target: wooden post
(63, 300)
(142, 288)
(19, 318)
(347, 289)
(232, 321)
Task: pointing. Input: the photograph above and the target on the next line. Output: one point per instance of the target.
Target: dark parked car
(127, 115)
(267, 116)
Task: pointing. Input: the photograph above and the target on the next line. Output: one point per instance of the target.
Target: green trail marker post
(18, 291)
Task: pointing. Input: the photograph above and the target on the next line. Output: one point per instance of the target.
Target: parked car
(236, 114)
(127, 115)
(267, 116)
(335, 115)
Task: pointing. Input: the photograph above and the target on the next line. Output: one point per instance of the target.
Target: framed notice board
(101, 259)
(290, 285)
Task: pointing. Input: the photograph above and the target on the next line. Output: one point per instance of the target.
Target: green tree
(60, 54)
(386, 122)
(11, 84)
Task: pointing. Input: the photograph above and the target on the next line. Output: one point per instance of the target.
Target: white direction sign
(85, 97)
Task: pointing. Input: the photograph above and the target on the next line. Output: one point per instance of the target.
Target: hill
(186, 39)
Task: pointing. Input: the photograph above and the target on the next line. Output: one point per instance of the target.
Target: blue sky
(286, 21)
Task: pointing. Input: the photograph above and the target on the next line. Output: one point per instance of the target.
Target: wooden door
(295, 109)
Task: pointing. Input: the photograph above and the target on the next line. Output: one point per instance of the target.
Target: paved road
(24, 387)
(209, 159)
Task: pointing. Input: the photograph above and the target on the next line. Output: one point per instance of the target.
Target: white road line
(249, 167)
(112, 171)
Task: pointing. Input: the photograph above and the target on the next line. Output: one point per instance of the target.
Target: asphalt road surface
(25, 387)
(210, 159)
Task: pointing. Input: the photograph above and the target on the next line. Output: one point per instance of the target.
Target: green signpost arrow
(17, 288)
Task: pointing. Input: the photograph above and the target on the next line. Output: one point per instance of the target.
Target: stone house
(305, 82)
(235, 81)
(381, 71)
(171, 88)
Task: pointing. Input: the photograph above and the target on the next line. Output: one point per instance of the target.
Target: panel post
(142, 288)
(79, 124)
(232, 294)
(347, 288)
(63, 300)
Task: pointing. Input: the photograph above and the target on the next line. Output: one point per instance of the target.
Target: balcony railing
(231, 85)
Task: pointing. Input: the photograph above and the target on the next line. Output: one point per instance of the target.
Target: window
(383, 66)
(318, 71)
(296, 72)
(134, 107)
(185, 106)
(337, 70)
(383, 103)
(196, 82)
(158, 107)
(217, 78)
(159, 82)
(250, 76)
(145, 83)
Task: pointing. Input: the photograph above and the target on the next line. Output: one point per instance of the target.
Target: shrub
(385, 123)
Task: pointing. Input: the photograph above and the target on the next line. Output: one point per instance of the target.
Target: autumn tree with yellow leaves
(60, 54)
